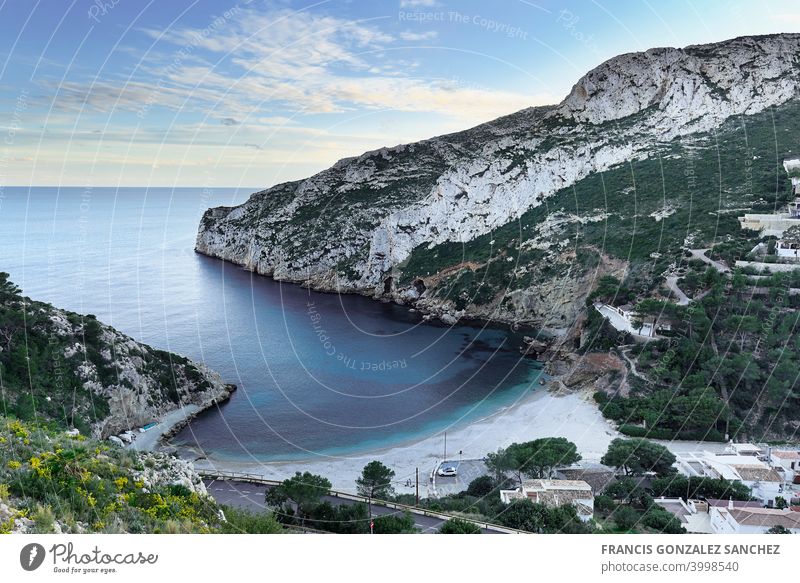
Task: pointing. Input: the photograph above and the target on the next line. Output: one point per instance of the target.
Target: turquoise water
(318, 374)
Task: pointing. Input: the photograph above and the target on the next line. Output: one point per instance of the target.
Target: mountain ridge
(353, 226)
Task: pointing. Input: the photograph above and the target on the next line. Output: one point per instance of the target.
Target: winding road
(250, 496)
(701, 255)
(672, 284)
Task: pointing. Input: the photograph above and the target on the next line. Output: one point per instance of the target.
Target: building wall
(782, 251)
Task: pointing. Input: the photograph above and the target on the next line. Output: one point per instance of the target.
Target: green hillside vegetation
(73, 484)
(729, 367)
(39, 381)
(702, 182)
(89, 486)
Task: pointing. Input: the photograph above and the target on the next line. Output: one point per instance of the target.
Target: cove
(318, 374)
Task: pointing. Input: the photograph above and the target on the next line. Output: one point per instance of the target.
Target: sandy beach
(542, 414)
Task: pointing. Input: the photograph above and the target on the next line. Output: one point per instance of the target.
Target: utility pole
(369, 505)
(445, 447)
(417, 487)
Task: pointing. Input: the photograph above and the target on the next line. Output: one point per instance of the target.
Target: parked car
(447, 471)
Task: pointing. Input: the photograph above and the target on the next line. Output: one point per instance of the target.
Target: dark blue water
(318, 374)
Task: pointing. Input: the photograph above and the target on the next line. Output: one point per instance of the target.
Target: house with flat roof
(626, 319)
(774, 224)
(786, 461)
(695, 515)
(744, 449)
(764, 481)
(553, 493)
(788, 245)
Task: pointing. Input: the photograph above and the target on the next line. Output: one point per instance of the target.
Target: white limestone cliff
(348, 227)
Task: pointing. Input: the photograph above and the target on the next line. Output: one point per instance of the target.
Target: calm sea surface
(318, 374)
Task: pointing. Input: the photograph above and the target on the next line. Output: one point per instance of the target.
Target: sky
(251, 93)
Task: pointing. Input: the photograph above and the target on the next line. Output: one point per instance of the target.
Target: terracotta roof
(598, 479)
(757, 473)
(556, 485)
(786, 455)
(552, 492)
(766, 517)
(719, 503)
(558, 497)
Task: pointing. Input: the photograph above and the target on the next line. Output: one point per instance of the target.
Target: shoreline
(426, 313)
(156, 438)
(543, 413)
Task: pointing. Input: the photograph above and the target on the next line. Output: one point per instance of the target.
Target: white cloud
(254, 81)
(418, 36)
(289, 61)
(418, 3)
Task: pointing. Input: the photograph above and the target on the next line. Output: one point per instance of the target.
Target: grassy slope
(73, 484)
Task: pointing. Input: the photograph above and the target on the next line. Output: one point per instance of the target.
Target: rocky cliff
(358, 225)
(78, 372)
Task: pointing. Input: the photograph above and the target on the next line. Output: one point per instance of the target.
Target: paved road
(251, 497)
(701, 255)
(672, 284)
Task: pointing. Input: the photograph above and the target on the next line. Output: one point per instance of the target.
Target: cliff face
(138, 383)
(147, 383)
(81, 373)
(355, 226)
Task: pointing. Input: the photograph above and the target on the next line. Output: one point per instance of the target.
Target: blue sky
(251, 93)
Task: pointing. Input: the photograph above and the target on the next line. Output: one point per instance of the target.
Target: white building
(775, 224)
(554, 493)
(625, 319)
(744, 449)
(788, 246)
(695, 515)
(787, 461)
(731, 520)
(765, 482)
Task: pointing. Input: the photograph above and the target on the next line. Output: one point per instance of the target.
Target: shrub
(625, 517)
(240, 521)
(603, 503)
(394, 524)
(481, 486)
(459, 526)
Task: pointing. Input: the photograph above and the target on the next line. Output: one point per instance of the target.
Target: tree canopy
(534, 459)
(303, 490)
(534, 517)
(375, 481)
(637, 456)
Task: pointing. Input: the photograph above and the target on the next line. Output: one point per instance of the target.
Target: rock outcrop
(92, 376)
(147, 382)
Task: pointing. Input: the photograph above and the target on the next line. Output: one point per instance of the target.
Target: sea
(317, 374)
